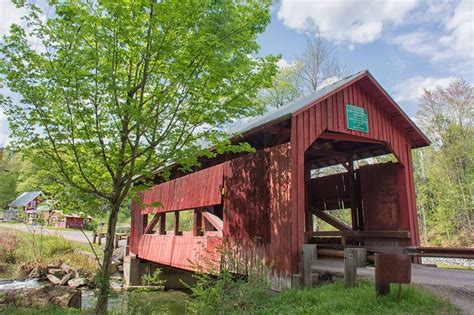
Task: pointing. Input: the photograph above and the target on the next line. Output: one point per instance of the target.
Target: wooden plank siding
(258, 209)
(185, 252)
(199, 189)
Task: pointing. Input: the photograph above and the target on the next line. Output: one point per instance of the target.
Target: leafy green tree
(10, 166)
(117, 89)
(445, 172)
(286, 87)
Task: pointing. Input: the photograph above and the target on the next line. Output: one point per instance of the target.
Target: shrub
(9, 244)
(234, 287)
(153, 279)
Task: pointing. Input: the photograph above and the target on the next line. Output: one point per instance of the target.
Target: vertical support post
(100, 239)
(308, 215)
(176, 223)
(358, 191)
(350, 168)
(350, 270)
(197, 230)
(116, 241)
(144, 223)
(162, 224)
(308, 254)
(94, 238)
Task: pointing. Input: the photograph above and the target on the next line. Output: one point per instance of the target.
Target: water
(7, 284)
(124, 302)
(157, 302)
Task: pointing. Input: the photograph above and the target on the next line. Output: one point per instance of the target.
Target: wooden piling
(308, 255)
(350, 269)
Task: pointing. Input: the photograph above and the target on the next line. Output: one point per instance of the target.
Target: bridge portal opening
(352, 193)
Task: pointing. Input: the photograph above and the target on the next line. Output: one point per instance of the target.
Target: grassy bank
(20, 251)
(226, 296)
(335, 299)
(327, 299)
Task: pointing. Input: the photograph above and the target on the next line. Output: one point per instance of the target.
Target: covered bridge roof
(366, 80)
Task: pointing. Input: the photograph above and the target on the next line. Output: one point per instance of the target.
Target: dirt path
(73, 235)
(455, 284)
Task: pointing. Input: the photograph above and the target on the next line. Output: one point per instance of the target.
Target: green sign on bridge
(356, 118)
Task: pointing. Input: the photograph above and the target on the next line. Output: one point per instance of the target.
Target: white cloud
(454, 48)
(354, 21)
(410, 90)
(283, 63)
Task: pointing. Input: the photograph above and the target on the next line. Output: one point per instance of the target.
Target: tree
(123, 88)
(319, 64)
(10, 166)
(445, 172)
(316, 67)
(286, 87)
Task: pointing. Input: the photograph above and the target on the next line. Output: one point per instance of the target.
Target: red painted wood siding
(184, 252)
(199, 189)
(136, 227)
(258, 208)
(329, 114)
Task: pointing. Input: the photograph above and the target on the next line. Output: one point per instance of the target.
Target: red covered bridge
(266, 202)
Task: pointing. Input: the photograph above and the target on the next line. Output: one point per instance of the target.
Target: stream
(123, 302)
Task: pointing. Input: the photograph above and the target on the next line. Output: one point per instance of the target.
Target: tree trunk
(104, 277)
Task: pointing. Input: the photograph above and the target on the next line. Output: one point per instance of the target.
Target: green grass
(335, 299)
(14, 310)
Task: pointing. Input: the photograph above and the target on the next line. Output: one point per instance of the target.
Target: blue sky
(407, 45)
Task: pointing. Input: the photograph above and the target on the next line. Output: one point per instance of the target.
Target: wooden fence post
(350, 269)
(94, 238)
(308, 255)
(99, 242)
(116, 241)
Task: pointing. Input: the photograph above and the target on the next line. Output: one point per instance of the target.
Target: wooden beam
(331, 220)
(152, 224)
(362, 234)
(214, 220)
(162, 224)
(350, 169)
(197, 228)
(176, 223)
(347, 137)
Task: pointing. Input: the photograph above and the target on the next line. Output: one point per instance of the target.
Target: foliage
(317, 67)
(444, 173)
(10, 167)
(286, 87)
(34, 247)
(235, 284)
(228, 293)
(153, 279)
(116, 90)
(8, 247)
